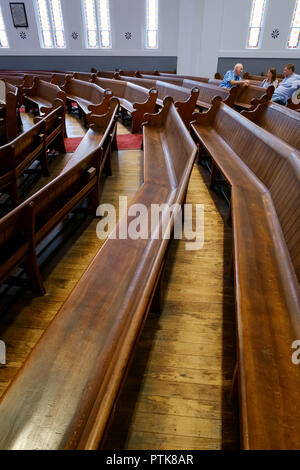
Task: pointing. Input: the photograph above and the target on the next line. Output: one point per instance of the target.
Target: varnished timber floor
(177, 392)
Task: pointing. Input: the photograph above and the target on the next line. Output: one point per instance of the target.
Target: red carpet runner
(125, 142)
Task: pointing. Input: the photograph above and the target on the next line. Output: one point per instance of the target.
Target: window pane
(104, 15)
(91, 23)
(57, 14)
(294, 38)
(256, 23)
(152, 39)
(105, 38)
(152, 24)
(58, 25)
(257, 13)
(253, 37)
(92, 38)
(296, 18)
(152, 11)
(97, 23)
(104, 23)
(44, 14)
(47, 38)
(60, 39)
(3, 39)
(90, 14)
(3, 36)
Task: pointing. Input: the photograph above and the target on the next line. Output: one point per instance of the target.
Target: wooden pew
(249, 97)
(3, 138)
(143, 82)
(14, 126)
(101, 136)
(10, 121)
(294, 102)
(111, 301)
(185, 77)
(169, 79)
(84, 76)
(278, 120)
(42, 95)
(17, 245)
(90, 98)
(188, 96)
(19, 81)
(54, 127)
(59, 78)
(264, 174)
(135, 73)
(208, 91)
(24, 228)
(18, 155)
(134, 99)
(259, 78)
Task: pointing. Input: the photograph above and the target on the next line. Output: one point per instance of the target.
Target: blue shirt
(230, 75)
(286, 88)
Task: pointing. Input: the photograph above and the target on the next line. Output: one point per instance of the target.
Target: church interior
(150, 225)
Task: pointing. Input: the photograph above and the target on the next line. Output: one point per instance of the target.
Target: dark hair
(291, 67)
(274, 74)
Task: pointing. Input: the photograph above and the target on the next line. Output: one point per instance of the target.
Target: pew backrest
(278, 120)
(88, 91)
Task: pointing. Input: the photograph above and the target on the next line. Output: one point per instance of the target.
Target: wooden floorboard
(177, 392)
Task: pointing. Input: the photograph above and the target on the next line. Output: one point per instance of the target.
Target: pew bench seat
(111, 302)
(223, 157)
(81, 102)
(263, 173)
(265, 278)
(38, 101)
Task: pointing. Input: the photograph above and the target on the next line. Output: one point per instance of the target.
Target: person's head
(288, 70)
(238, 69)
(271, 75)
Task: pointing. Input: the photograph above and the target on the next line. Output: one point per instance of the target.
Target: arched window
(51, 24)
(256, 24)
(97, 23)
(294, 38)
(152, 24)
(3, 35)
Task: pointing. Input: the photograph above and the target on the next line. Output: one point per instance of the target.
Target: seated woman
(271, 79)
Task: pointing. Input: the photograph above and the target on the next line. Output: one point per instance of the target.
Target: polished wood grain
(134, 99)
(278, 120)
(113, 323)
(266, 265)
(209, 309)
(42, 95)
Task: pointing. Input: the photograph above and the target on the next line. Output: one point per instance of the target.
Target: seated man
(288, 86)
(233, 78)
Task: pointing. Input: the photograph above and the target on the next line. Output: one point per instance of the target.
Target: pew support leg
(33, 273)
(14, 194)
(44, 164)
(214, 171)
(234, 385)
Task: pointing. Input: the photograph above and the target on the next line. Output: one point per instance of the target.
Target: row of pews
(62, 400)
(107, 326)
(264, 174)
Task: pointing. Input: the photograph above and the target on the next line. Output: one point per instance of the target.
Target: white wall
(197, 31)
(221, 31)
(126, 16)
